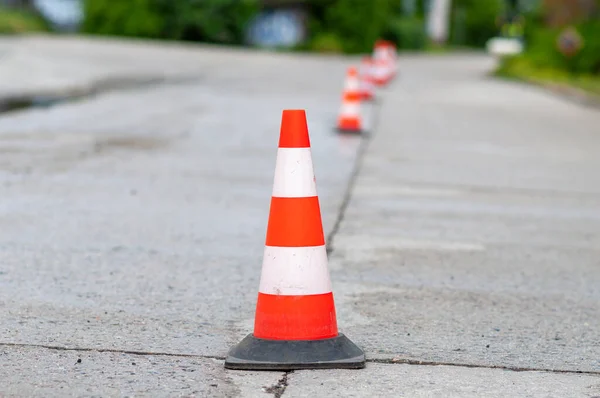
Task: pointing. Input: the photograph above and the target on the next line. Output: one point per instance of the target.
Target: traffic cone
(381, 75)
(295, 325)
(384, 62)
(349, 119)
(392, 54)
(367, 92)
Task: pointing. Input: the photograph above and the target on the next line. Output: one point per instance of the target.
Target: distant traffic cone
(381, 75)
(295, 325)
(367, 91)
(384, 63)
(349, 119)
(392, 54)
(381, 66)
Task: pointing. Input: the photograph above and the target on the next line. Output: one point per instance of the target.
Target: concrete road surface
(466, 262)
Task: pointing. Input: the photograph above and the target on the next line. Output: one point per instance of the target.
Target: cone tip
(294, 129)
(381, 43)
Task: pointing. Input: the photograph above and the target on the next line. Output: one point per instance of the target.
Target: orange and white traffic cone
(392, 55)
(367, 90)
(380, 72)
(384, 62)
(295, 325)
(349, 119)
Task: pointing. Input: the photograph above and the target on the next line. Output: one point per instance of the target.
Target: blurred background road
(135, 179)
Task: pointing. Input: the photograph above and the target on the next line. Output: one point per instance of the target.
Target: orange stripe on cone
(306, 317)
(294, 130)
(349, 124)
(295, 222)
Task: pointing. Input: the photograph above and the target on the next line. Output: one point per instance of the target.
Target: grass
(15, 22)
(521, 68)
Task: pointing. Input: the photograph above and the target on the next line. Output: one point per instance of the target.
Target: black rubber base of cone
(260, 354)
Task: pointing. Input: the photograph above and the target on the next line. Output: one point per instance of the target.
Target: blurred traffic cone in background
(349, 119)
(367, 87)
(380, 72)
(385, 63)
(393, 58)
(295, 325)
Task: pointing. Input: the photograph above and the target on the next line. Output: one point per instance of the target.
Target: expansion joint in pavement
(130, 352)
(362, 150)
(406, 361)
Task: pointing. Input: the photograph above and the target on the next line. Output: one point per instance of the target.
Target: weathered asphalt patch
(135, 220)
(382, 380)
(40, 372)
(451, 325)
(472, 235)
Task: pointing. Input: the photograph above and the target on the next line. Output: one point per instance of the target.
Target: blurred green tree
(353, 24)
(137, 18)
(475, 21)
(218, 21)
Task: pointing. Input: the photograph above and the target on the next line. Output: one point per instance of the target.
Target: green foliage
(219, 21)
(521, 67)
(15, 22)
(475, 21)
(407, 33)
(587, 60)
(358, 22)
(326, 43)
(543, 50)
(137, 18)
(543, 62)
(533, 21)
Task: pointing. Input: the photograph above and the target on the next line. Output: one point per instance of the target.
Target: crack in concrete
(407, 361)
(362, 150)
(52, 98)
(278, 389)
(112, 350)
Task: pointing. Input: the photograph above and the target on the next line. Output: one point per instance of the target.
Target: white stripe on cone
(350, 108)
(365, 82)
(380, 70)
(295, 271)
(380, 54)
(367, 86)
(352, 84)
(294, 175)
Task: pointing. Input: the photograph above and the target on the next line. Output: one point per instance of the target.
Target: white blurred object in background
(438, 19)
(504, 46)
